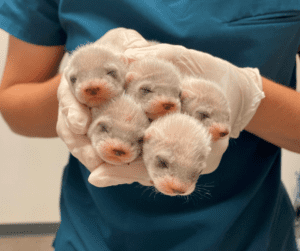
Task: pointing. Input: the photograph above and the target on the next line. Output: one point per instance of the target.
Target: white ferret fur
(117, 130)
(205, 101)
(175, 150)
(95, 74)
(155, 84)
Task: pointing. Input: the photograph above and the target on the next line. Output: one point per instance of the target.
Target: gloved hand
(122, 39)
(72, 124)
(111, 175)
(242, 86)
(74, 120)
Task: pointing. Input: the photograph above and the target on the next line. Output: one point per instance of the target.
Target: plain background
(31, 170)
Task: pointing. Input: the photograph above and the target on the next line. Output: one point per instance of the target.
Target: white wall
(31, 169)
(291, 161)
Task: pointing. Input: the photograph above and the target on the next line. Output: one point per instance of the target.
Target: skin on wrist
(277, 119)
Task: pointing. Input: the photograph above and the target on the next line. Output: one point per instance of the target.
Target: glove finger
(79, 145)
(107, 174)
(162, 51)
(78, 117)
(101, 177)
(205, 65)
(122, 39)
(133, 39)
(218, 148)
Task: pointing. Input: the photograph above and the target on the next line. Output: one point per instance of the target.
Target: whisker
(201, 189)
(203, 192)
(201, 196)
(195, 198)
(138, 185)
(206, 195)
(155, 191)
(212, 182)
(186, 198)
(206, 185)
(152, 192)
(146, 189)
(232, 142)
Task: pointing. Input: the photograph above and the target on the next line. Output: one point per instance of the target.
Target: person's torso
(242, 204)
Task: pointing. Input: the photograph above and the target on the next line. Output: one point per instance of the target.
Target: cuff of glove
(252, 94)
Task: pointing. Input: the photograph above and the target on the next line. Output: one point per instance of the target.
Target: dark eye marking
(103, 128)
(203, 115)
(162, 163)
(145, 90)
(112, 73)
(180, 95)
(141, 140)
(73, 79)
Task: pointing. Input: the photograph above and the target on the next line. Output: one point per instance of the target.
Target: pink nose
(168, 106)
(177, 191)
(173, 187)
(92, 91)
(119, 152)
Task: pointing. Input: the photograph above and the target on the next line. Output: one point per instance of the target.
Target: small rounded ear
(124, 59)
(130, 76)
(187, 94)
(152, 132)
(184, 95)
(147, 136)
(218, 132)
(131, 60)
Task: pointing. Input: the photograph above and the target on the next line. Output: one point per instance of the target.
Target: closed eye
(141, 140)
(145, 90)
(203, 115)
(180, 95)
(103, 128)
(73, 79)
(112, 73)
(162, 163)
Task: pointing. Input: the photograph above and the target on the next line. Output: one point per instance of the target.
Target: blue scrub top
(243, 205)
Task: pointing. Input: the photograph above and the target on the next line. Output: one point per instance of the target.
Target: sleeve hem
(45, 33)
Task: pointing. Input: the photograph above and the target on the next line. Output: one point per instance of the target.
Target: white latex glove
(74, 120)
(111, 175)
(242, 86)
(123, 39)
(72, 124)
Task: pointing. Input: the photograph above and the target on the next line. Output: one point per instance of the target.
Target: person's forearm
(31, 109)
(277, 119)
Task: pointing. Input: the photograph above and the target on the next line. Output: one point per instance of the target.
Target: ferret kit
(148, 108)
